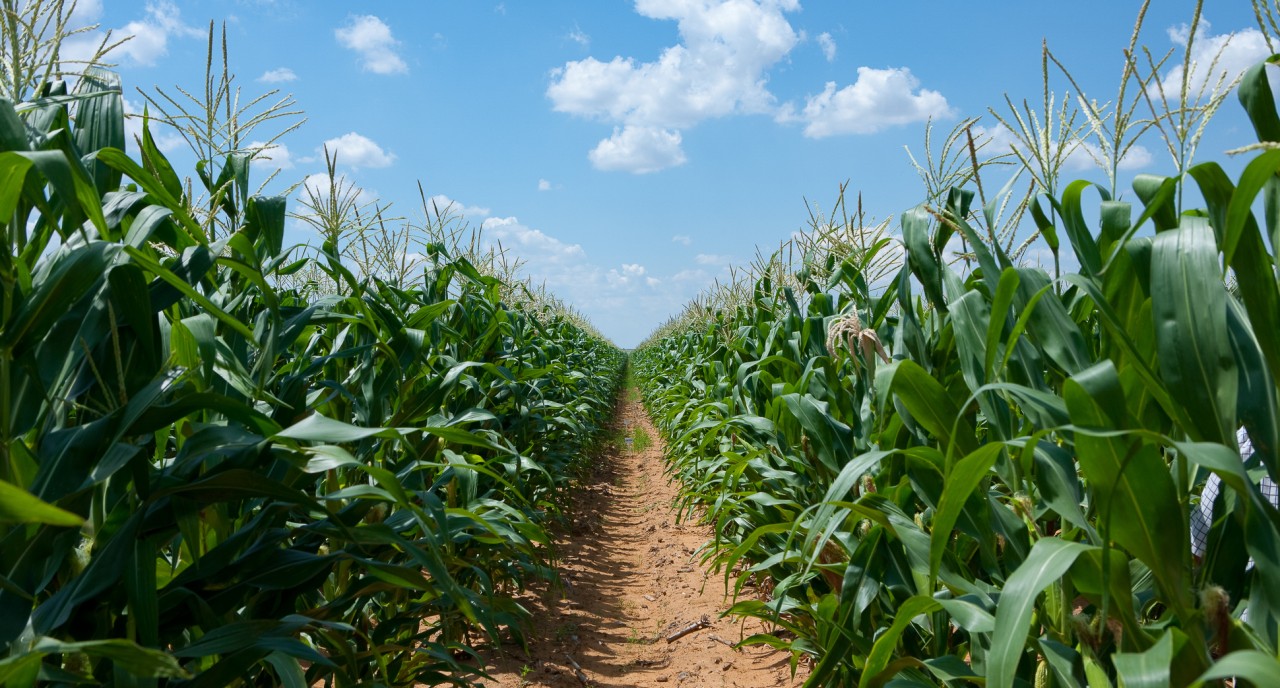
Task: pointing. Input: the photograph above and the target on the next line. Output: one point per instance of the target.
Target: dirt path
(634, 578)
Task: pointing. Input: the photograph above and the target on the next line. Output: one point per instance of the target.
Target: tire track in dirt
(633, 577)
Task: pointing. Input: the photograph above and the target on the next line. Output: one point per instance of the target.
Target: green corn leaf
(929, 404)
(1148, 669)
(1189, 304)
(1000, 303)
(1044, 225)
(13, 175)
(1077, 230)
(915, 234)
(878, 660)
(100, 122)
(962, 479)
(1132, 490)
(1049, 322)
(137, 660)
(1243, 246)
(1258, 668)
(1049, 559)
(971, 324)
(156, 162)
(1158, 198)
(1256, 97)
(64, 281)
(19, 506)
(318, 428)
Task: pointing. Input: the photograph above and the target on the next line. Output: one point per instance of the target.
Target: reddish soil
(633, 577)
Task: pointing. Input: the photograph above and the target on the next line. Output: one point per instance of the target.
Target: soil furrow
(634, 578)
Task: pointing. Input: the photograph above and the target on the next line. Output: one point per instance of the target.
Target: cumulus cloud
(639, 150)
(371, 39)
(720, 67)
(448, 207)
(86, 13)
(531, 244)
(878, 99)
(275, 156)
(278, 75)
(717, 69)
(1213, 57)
(1087, 154)
(356, 150)
(630, 274)
(682, 239)
(544, 185)
(318, 185)
(161, 21)
(828, 45)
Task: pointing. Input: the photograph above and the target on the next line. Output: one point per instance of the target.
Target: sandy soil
(633, 578)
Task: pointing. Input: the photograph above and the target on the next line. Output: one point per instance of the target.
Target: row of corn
(979, 472)
(208, 478)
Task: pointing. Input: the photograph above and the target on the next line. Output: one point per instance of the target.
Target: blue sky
(630, 152)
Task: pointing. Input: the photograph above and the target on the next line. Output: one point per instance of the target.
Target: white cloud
(717, 69)
(1087, 154)
(716, 259)
(994, 141)
(531, 244)
(682, 239)
(278, 75)
(151, 34)
(630, 275)
(316, 184)
(447, 206)
(639, 150)
(86, 13)
(1135, 158)
(579, 37)
(544, 185)
(828, 45)
(357, 150)
(371, 39)
(275, 156)
(319, 185)
(878, 99)
(1212, 57)
(999, 140)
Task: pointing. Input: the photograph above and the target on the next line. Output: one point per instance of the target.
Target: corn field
(208, 479)
(990, 476)
(226, 461)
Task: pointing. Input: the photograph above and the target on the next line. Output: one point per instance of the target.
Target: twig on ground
(698, 625)
(577, 670)
(722, 641)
